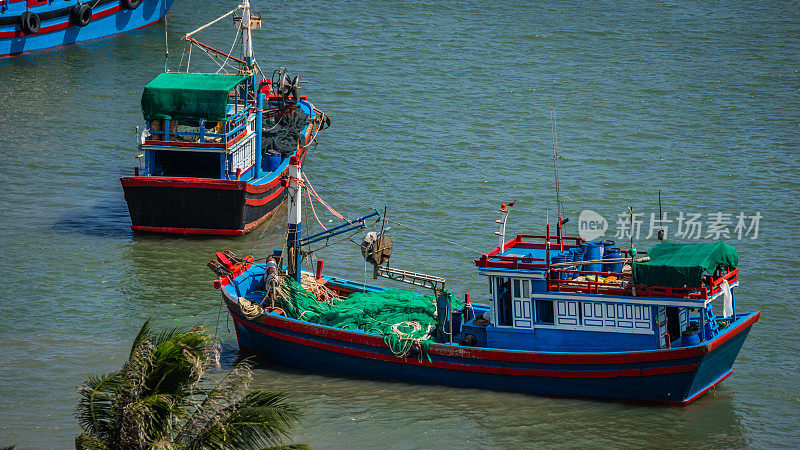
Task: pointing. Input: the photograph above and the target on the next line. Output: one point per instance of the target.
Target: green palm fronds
(158, 400)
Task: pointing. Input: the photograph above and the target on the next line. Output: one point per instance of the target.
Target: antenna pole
(166, 45)
(555, 170)
(660, 218)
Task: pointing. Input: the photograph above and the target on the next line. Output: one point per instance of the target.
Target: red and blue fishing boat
(27, 25)
(564, 318)
(215, 145)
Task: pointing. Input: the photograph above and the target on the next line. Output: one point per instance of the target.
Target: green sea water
(441, 111)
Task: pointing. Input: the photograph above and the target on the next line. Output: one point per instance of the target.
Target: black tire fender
(130, 4)
(80, 15)
(29, 22)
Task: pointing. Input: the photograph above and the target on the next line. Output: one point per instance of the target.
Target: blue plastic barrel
(577, 256)
(558, 258)
(271, 162)
(613, 253)
(568, 257)
(592, 251)
(690, 337)
(607, 244)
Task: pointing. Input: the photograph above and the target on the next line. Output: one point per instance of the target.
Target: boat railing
(561, 280)
(232, 129)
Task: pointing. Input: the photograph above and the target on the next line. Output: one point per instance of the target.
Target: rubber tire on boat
(131, 4)
(29, 22)
(80, 15)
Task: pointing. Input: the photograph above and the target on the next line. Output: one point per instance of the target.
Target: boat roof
(189, 96)
(676, 264)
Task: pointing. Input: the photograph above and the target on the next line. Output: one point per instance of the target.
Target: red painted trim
(498, 355)
(196, 183)
(184, 144)
(474, 368)
(59, 26)
(176, 230)
(263, 201)
(700, 394)
(261, 188)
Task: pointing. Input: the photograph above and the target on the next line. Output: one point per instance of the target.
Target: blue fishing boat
(607, 323)
(215, 145)
(27, 25)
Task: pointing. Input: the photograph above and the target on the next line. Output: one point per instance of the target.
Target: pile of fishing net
(402, 317)
(281, 134)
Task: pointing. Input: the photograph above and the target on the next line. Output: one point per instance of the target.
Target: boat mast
(294, 226)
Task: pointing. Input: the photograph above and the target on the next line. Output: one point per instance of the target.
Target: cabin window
(186, 164)
(516, 288)
(504, 305)
(544, 311)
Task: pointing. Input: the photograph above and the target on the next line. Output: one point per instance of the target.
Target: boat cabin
(207, 126)
(541, 300)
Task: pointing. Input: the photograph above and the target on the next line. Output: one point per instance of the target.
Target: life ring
(29, 22)
(80, 15)
(131, 4)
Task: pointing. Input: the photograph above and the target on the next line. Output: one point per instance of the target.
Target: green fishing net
(401, 317)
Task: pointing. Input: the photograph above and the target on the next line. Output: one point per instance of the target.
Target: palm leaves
(157, 401)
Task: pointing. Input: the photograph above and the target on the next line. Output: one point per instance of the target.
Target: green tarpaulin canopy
(676, 265)
(192, 96)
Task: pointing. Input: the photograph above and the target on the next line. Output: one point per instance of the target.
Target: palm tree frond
(95, 411)
(87, 442)
(260, 418)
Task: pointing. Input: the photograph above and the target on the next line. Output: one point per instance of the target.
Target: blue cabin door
(523, 305)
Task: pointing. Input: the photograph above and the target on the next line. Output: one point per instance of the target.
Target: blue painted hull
(676, 376)
(107, 19)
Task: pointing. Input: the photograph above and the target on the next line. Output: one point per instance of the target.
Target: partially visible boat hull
(108, 18)
(676, 376)
(199, 206)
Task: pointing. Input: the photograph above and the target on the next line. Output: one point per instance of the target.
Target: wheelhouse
(537, 303)
(201, 126)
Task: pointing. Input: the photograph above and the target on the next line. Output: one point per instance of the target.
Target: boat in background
(566, 318)
(215, 145)
(27, 25)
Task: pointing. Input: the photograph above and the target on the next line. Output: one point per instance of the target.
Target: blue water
(440, 111)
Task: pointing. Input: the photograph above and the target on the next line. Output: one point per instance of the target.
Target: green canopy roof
(676, 265)
(188, 96)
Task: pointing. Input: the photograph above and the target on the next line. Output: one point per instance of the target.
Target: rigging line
(228, 55)
(311, 203)
(340, 241)
(261, 239)
(314, 193)
(188, 60)
(433, 236)
(180, 64)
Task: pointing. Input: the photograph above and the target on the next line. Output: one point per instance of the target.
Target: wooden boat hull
(677, 376)
(108, 18)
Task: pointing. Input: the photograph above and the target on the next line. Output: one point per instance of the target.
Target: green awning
(676, 265)
(191, 96)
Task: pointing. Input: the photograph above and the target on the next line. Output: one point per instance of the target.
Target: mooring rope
(433, 236)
